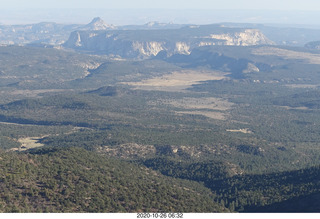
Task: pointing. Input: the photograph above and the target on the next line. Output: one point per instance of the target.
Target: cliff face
(147, 43)
(46, 33)
(248, 37)
(147, 48)
(98, 24)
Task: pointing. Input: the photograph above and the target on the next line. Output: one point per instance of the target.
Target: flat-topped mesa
(248, 37)
(148, 43)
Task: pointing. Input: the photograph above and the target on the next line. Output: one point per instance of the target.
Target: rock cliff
(248, 37)
(147, 43)
(98, 24)
(46, 33)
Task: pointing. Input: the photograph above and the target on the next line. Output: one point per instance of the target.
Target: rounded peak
(96, 19)
(98, 24)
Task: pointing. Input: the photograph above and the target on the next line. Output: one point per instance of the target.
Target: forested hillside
(222, 129)
(75, 180)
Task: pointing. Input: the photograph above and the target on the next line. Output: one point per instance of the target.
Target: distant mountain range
(141, 41)
(146, 43)
(53, 34)
(48, 33)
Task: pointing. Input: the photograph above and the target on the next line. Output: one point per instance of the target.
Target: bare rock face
(249, 37)
(98, 24)
(148, 48)
(182, 48)
(148, 43)
(251, 68)
(47, 33)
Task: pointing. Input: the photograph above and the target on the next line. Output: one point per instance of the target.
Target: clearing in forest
(178, 81)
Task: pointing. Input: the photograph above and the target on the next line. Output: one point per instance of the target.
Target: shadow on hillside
(302, 204)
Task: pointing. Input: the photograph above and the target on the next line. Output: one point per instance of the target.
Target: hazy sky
(166, 4)
(82, 11)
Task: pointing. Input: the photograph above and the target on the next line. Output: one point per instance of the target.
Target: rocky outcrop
(148, 48)
(182, 48)
(46, 33)
(248, 37)
(98, 24)
(148, 43)
(251, 68)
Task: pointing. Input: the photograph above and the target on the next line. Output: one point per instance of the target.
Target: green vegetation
(40, 68)
(155, 149)
(256, 193)
(75, 180)
(248, 193)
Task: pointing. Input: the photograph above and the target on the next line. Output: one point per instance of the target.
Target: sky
(166, 4)
(138, 11)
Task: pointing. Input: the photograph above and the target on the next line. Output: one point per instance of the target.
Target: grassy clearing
(211, 107)
(179, 80)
